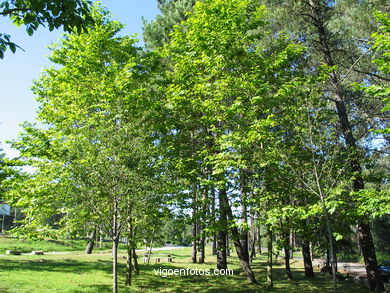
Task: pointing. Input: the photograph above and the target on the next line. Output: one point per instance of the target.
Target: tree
(222, 87)
(173, 12)
(331, 41)
(71, 15)
(94, 110)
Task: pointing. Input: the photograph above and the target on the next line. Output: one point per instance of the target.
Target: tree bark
(373, 274)
(309, 273)
(115, 240)
(222, 232)
(91, 242)
(194, 241)
(135, 262)
(194, 227)
(213, 217)
(244, 259)
(252, 234)
(269, 259)
(258, 239)
(214, 244)
(287, 256)
(202, 248)
(244, 216)
(129, 265)
(202, 225)
(227, 245)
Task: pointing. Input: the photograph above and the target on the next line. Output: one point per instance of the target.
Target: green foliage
(71, 15)
(382, 46)
(173, 12)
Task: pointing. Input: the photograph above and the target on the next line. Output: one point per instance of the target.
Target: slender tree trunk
(194, 241)
(252, 234)
(227, 245)
(91, 242)
(150, 246)
(331, 248)
(368, 249)
(214, 244)
(202, 225)
(135, 262)
(244, 216)
(115, 240)
(213, 217)
(202, 248)
(222, 233)
(292, 239)
(115, 265)
(269, 259)
(287, 256)
(309, 273)
(194, 226)
(129, 265)
(130, 253)
(244, 260)
(258, 239)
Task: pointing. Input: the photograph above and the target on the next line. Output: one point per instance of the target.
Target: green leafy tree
(71, 15)
(337, 35)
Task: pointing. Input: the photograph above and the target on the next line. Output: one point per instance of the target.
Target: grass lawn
(92, 273)
(27, 245)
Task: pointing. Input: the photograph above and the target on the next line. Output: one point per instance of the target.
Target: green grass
(92, 273)
(60, 245)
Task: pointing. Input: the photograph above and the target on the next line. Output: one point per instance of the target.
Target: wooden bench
(158, 257)
(13, 252)
(37, 252)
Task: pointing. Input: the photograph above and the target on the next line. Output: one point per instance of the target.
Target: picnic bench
(158, 257)
(13, 252)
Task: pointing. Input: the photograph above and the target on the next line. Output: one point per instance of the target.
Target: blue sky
(17, 71)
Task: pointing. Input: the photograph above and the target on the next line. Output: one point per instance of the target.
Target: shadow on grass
(63, 265)
(151, 280)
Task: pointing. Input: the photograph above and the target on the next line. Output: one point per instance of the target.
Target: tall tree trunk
(269, 259)
(292, 241)
(202, 226)
(213, 217)
(135, 262)
(252, 234)
(287, 255)
(227, 245)
(325, 47)
(194, 241)
(202, 247)
(130, 252)
(115, 265)
(258, 239)
(214, 244)
(129, 265)
(194, 227)
(115, 240)
(244, 260)
(244, 216)
(309, 273)
(91, 242)
(151, 246)
(374, 277)
(222, 232)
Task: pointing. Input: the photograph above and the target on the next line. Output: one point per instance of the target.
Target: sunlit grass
(92, 273)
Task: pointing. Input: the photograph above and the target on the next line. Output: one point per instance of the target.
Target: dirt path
(138, 250)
